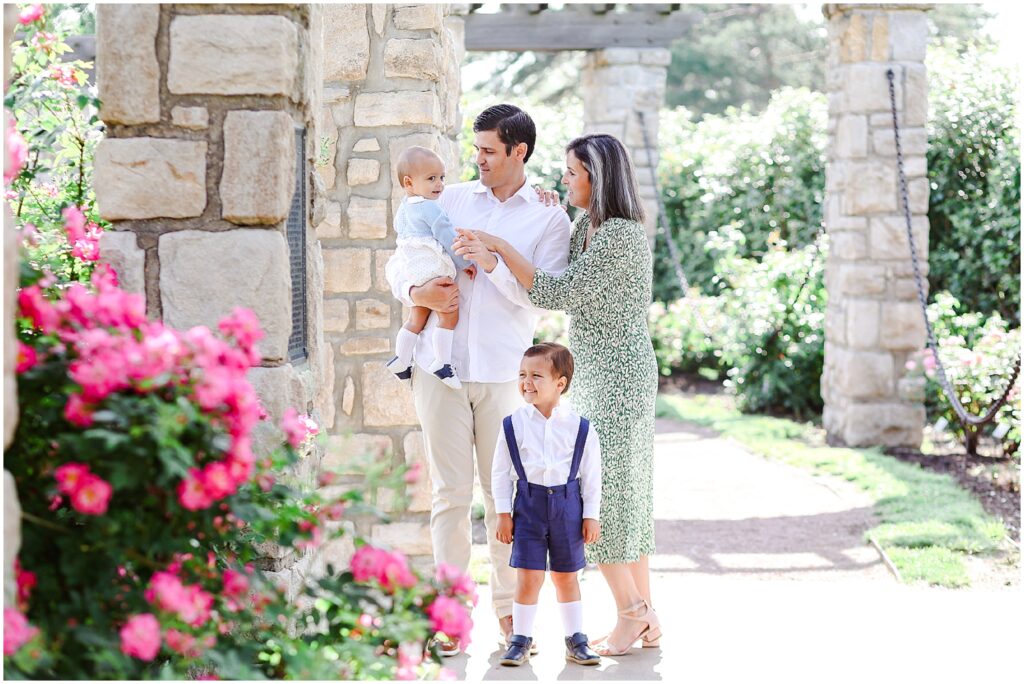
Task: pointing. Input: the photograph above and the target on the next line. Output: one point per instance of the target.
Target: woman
(606, 290)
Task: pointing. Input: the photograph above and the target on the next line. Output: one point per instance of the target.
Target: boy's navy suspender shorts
(547, 520)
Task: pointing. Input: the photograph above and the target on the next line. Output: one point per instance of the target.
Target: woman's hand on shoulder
(550, 198)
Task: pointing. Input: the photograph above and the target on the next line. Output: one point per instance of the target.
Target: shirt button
(551, 491)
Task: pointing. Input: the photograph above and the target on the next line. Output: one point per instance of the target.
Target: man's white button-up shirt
(545, 447)
(496, 318)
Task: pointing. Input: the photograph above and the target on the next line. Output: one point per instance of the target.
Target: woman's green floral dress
(607, 291)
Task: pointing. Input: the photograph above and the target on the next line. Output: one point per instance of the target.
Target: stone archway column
(618, 84)
(873, 319)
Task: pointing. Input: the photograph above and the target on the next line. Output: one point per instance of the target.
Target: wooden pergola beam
(577, 27)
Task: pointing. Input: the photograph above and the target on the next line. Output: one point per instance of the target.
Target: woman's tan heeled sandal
(650, 631)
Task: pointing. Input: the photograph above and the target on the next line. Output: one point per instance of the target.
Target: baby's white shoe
(445, 372)
(402, 371)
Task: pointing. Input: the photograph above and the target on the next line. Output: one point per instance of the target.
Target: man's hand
(439, 294)
(504, 534)
(468, 246)
(550, 198)
(591, 530)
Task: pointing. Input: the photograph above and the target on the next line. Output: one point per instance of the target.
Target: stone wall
(391, 80)
(196, 174)
(618, 85)
(873, 320)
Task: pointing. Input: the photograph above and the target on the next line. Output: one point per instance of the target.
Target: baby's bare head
(417, 163)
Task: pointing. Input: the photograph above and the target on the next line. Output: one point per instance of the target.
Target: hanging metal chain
(965, 418)
(677, 262)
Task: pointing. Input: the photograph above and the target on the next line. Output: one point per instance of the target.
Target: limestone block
(419, 492)
(141, 178)
(410, 538)
(419, 17)
(120, 249)
(880, 37)
(906, 288)
(324, 400)
(372, 314)
(365, 345)
(367, 218)
(864, 374)
(848, 245)
(346, 270)
(233, 54)
(279, 389)
(348, 396)
(336, 95)
(380, 259)
(853, 38)
(915, 166)
(870, 187)
(421, 59)
(866, 88)
(918, 191)
(346, 42)
(259, 167)
(908, 35)
(204, 276)
(128, 73)
(862, 323)
(835, 324)
(914, 141)
(386, 401)
(911, 388)
(346, 452)
(656, 56)
(337, 553)
(860, 279)
(835, 219)
(852, 136)
(888, 235)
(194, 118)
(614, 56)
(902, 326)
(330, 227)
(915, 104)
(887, 424)
(402, 108)
(335, 315)
(366, 145)
(363, 171)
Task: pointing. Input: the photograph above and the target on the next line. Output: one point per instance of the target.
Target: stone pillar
(618, 85)
(873, 319)
(12, 510)
(197, 174)
(391, 80)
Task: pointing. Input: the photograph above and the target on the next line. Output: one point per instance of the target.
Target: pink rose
(235, 583)
(31, 13)
(16, 151)
(450, 616)
(140, 637)
(367, 563)
(181, 642)
(25, 582)
(17, 631)
(192, 494)
(412, 476)
(69, 476)
(86, 250)
(27, 358)
(297, 428)
(38, 309)
(244, 327)
(92, 495)
(217, 480)
(395, 572)
(78, 412)
(74, 223)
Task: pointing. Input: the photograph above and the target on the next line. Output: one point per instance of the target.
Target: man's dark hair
(560, 357)
(512, 124)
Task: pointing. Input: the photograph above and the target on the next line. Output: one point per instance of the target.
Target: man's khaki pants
(454, 422)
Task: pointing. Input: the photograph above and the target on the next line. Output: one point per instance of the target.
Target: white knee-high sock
(443, 345)
(572, 617)
(522, 618)
(405, 345)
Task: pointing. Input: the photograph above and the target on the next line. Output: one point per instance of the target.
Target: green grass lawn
(928, 524)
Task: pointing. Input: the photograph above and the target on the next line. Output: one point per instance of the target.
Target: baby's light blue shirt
(420, 217)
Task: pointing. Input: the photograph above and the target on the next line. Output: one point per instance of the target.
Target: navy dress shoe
(518, 651)
(577, 650)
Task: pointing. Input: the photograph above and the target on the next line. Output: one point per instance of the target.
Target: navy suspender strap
(577, 454)
(513, 450)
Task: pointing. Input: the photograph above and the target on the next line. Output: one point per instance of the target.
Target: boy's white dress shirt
(496, 319)
(546, 446)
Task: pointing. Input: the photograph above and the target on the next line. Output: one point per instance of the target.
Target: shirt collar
(560, 411)
(526, 192)
(415, 199)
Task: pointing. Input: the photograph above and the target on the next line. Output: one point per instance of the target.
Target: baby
(424, 252)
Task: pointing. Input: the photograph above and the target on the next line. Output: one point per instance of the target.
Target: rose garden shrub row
(146, 507)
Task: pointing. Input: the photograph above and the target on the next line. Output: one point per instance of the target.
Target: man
(496, 325)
